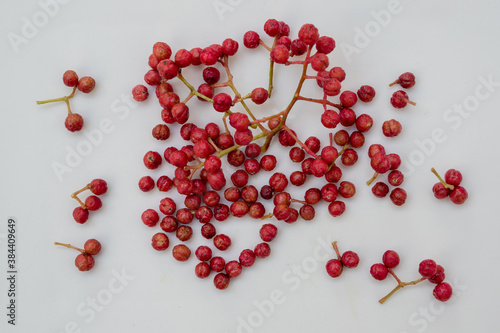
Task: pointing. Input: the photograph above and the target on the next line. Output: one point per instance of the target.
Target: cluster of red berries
(349, 259)
(450, 186)
(211, 193)
(399, 98)
(428, 269)
(383, 163)
(74, 121)
(85, 260)
(92, 202)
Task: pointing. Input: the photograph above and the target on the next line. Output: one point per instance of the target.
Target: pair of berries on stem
(92, 202)
(428, 270)
(73, 121)
(85, 260)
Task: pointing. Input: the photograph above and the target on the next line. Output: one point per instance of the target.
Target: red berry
(73, 122)
(70, 78)
(380, 190)
(222, 102)
(453, 177)
(93, 203)
(160, 241)
(334, 267)
(443, 291)
(439, 276)
(399, 99)
(233, 269)
(98, 186)
(221, 281)
(366, 93)
(280, 54)
(268, 232)
(336, 208)
(398, 196)
(150, 217)
(391, 128)
(330, 119)
(161, 51)
(84, 262)
(262, 250)
(181, 252)
(379, 271)
(202, 270)
(86, 84)
(364, 122)
(229, 47)
(92, 246)
(259, 95)
(325, 44)
(169, 224)
(406, 80)
(140, 93)
(458, 195)
(222, 242)
(427, 268)
(395, 178)
(247, 258)
(350, 259)
(80, 214)
(251, 39)
(348, 98)
(390, 258)
(309, 34)
(203, 253)
(152, 160)
(217, 264)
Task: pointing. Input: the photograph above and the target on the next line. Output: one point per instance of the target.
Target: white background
(450, 46)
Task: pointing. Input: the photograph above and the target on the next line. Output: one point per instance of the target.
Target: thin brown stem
(336, 249)
(369, 181)
(399, 286)
(323, 101)
(69, 246)
(306, 148)
(445, 184)
(60, 99)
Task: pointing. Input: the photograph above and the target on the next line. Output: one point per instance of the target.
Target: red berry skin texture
(268, 232)
(233, 268)
(93, 203)
(439, 276)
(350, 259)
(70, 78)
(443, 291)
(459, 195)
(390, 258)
(84, 262)
(150, 217)
(453, 177)
(380, 190)
(73, 122)
(146, 184)
(336, 208)
(427, 268)
(391, 128)
(80, 214)
(202, 270)
(398, 196)
(222, 242)
(181, 252)
(334, 268)
(92, 246)
(379, 271)
(140, 93)
(366, 93)
(262, 250)
(98, 186)
(247, 258)
(86, 84)
(160, 241)
(221, 281)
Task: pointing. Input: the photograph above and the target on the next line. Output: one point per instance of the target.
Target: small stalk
(70, 247)
(448, 186)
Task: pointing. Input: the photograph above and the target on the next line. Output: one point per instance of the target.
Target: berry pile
(209, 192)
(85, 260)
(450, 187)
(92, 202)
(427, 268)
(349, 259)
(74, 121)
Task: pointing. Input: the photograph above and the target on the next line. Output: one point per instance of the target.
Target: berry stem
(323, 101)
(230, 84)
(395, 82)
(306, 148)
(369, 181)
(268, 216)
(336, 249)
(299, 201)
(70, 246)
(399, 286)
(409, 102)
(60, 99)
(191, 88)
(448, 186)
(217, 149)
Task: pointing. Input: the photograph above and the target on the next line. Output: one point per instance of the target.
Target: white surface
(449, 45)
